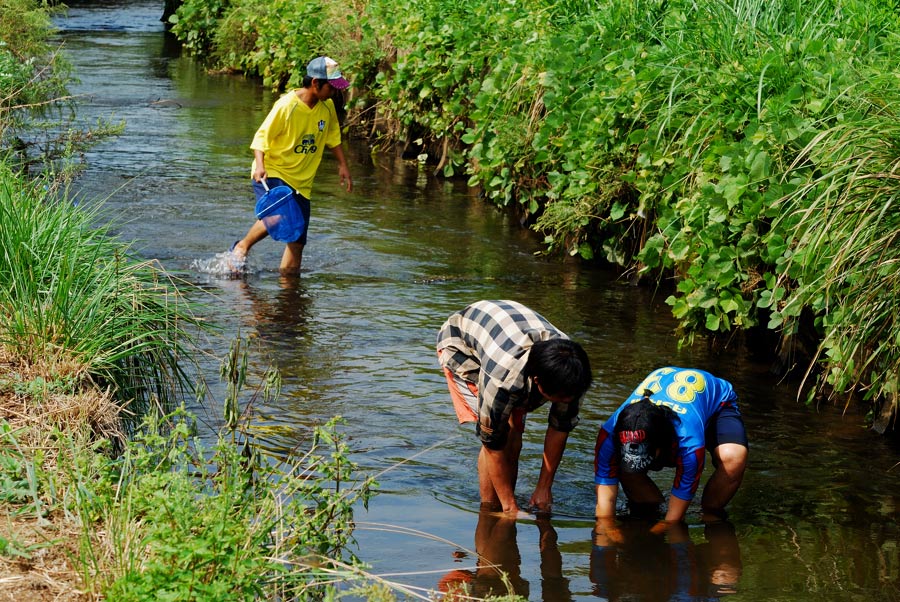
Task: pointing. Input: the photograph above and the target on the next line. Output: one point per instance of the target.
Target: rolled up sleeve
(565, 416)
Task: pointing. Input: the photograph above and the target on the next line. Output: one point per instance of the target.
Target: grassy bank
(78, 309)
(722, 147)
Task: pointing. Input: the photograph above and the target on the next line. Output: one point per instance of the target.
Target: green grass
(76, 305)
(845, 262)
(171, 519)
(250, 529)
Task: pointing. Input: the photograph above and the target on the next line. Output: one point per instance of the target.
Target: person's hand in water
(541, 513)
(541, 500)
(661, 527)
(515, 515)
(607, 532)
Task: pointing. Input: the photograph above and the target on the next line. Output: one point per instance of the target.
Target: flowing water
(816, 518)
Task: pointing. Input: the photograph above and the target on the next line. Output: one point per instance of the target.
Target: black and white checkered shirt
(487, 344)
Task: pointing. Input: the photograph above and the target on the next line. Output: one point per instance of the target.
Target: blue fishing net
(281, 214)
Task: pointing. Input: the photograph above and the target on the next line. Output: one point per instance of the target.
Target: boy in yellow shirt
(288, 148)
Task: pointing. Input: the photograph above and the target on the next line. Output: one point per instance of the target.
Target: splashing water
(227, 264)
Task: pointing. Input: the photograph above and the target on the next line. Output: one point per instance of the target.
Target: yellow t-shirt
(293, 137)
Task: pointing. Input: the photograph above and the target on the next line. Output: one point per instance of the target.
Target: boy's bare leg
(291, 258)
(256, 233)
(730, 460)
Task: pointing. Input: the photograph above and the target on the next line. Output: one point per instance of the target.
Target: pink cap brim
(339, 83)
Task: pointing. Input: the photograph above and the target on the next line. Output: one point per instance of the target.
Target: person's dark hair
(307, 82)
(656, 421)
(561, 366)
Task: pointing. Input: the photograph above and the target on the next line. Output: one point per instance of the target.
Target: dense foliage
(729, 145)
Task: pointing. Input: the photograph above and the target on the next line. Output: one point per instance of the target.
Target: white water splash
(225, 265)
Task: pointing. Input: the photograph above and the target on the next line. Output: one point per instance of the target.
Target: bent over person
(503, 360)
(672, 419)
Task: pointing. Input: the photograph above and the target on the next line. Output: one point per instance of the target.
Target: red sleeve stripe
(699, 457)
(602, 436)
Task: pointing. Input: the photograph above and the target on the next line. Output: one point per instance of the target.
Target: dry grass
(46, 573)
(37, 563)
(37, 412)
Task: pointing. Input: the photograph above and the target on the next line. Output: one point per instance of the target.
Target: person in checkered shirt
(503, 360)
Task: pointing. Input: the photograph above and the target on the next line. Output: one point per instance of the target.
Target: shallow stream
(816, 518)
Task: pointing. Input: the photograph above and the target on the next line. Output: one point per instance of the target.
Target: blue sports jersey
(695, 396)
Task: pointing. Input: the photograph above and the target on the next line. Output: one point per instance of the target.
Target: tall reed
(845, 262)
(77, 306)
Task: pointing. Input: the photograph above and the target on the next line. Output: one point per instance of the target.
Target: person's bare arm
(259, 173)
(606, 500)
(343, 170)
(677, 509)
(675, 514)
(554, 446)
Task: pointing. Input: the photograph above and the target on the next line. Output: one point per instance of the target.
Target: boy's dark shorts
(726, 426)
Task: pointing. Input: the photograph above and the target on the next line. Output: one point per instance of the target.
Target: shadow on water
(815, 519)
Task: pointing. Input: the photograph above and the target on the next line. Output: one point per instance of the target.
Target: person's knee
(731, 460)
(294, 250)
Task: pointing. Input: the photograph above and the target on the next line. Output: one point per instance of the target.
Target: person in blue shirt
(672, 419)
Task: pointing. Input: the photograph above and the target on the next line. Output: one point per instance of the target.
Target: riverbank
(38, 548)
(79, 523)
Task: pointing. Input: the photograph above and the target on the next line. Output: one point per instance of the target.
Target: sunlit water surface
(354, 336)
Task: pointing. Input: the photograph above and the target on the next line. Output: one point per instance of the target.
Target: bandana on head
(635, 453)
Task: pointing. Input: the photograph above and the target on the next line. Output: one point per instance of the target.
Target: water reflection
(630, 561)
(280, 317)
(498, 571)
